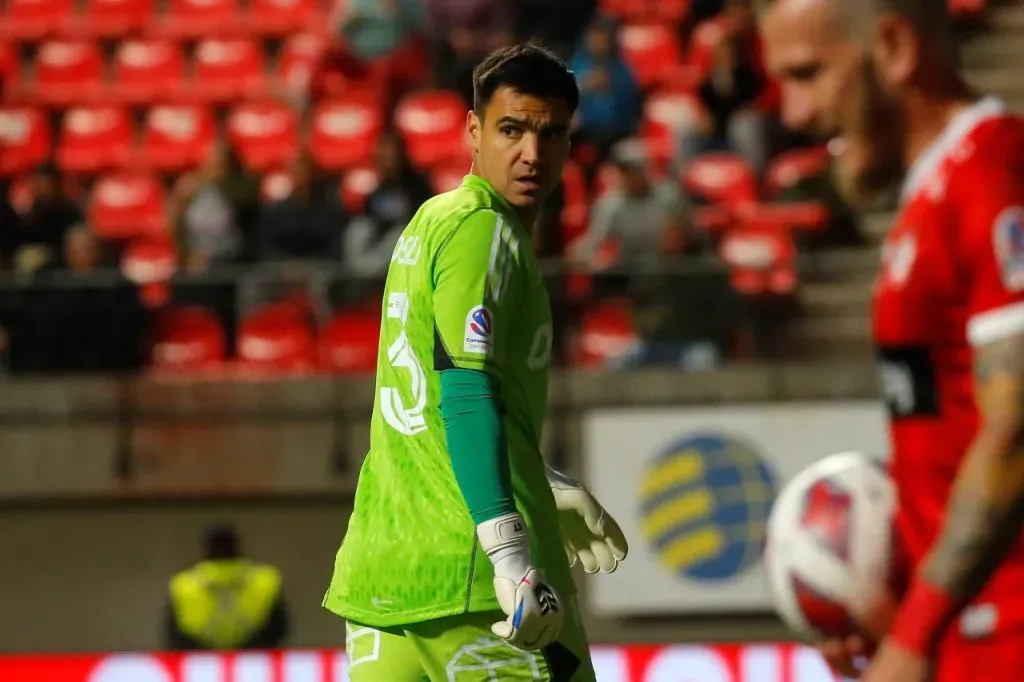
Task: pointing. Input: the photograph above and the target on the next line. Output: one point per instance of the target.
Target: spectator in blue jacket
(609, 97)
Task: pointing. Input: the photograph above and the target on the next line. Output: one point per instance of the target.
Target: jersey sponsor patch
(479, 328)
(1009, 245)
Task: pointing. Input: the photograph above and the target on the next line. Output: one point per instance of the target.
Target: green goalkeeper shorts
(463, 649)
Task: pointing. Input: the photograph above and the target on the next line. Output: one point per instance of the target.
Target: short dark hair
(529, 68)
(221, 542)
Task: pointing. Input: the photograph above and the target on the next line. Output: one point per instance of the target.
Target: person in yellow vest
(226, 601)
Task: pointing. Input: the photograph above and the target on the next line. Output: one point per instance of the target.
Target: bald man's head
(857, 17)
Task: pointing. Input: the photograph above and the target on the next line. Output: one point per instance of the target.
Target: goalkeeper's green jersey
(463, 290)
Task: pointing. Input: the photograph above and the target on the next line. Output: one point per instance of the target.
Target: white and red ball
(829, 544)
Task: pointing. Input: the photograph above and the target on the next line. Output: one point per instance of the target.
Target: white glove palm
(591, 535)
(533, 608)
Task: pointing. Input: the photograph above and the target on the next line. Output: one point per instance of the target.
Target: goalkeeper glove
(533, 609)
(591, 535)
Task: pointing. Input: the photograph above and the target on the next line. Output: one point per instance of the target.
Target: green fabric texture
(476, 442)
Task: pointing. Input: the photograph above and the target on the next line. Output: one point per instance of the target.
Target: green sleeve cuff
(476, 442)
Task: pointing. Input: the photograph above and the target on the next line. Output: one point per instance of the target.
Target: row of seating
(33, 20)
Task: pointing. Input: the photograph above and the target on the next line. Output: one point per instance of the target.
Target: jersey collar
(478, 182)
(962, 125)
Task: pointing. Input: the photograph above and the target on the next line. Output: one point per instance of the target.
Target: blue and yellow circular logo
(705, 503)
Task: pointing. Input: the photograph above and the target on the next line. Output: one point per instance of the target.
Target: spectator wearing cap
(225, 601)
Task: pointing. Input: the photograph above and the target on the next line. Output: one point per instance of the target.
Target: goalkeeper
(454, 566)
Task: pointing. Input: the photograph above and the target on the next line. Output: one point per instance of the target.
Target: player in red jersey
(880, 79)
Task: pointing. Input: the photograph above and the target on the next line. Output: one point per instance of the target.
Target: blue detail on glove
(518, 618)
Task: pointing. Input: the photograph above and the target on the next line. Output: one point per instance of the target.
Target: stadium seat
(649, 50)
(762, 259)
(793, 167)
(264, 134)
(966, 9)
(666, 114)
(226, 70)
(432, 123)
(110, 18)
(575, 203)
(446, 177)
(187, 339)
(176, 137)
(298, 58)
(150, 262)
(280, 17)
(94, 139)
(787, 216)
(126, 205)
(607, 334)
(33, 20)
(355, 186)
(344, 131)
(348, 343)
(25, 139)
(721, 177)
(68, 72)
(197, 19)
(275, 339)
(146, 71)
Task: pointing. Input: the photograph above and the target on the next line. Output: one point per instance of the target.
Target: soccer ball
(829, 543)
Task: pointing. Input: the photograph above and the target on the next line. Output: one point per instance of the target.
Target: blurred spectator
(688, 318)
(36, 238)
(635, 216)
(225, 601)
(731, 94)
(556, 24)
(371, 237)
(81, 325)
(609, 97)
(306, 225)
(213, 206)
(466, 31)
(383, 39)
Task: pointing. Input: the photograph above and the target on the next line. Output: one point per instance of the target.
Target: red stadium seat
(264, 134)
(177, 137)
(650, 51)
(607, 333)
(68, 72)
(355, 186)
(126, 205)
(348, 344)
(667, 113)
(762, 260)
(150, 262)
(791, 168)
(432, 123)
(966, 9)
(343, 132)
(25, 139)
(227, 70)
(147, 71)
(111, 18)
(281, 17)
(199, 19)
(575, 202)
(276, 339)
(94, 139)
(721, 177)
(20, 194)
(299, 56)
(32, 20)
(446, 177)
(186, 339)
(785, 217)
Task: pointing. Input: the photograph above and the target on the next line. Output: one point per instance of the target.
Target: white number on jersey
(407, 421)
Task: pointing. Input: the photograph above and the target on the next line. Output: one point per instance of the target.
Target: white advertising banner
(693, 487)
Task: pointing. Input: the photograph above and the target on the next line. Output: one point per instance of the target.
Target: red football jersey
(952, 279)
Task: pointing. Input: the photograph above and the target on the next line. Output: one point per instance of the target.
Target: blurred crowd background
(212, 186)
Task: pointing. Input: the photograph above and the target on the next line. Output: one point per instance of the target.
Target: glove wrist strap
(507, 544)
